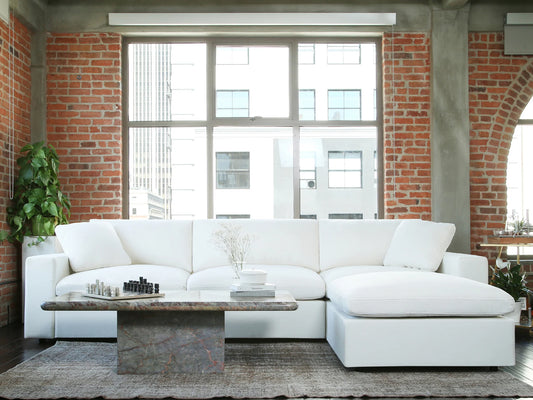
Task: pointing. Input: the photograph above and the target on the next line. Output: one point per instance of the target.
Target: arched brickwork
(500, 88)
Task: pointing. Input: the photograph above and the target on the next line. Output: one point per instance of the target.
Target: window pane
(167, 177)
(232, 103)
(337, 68)
(167, 81)
(344, 160)
(265, 78)
(259, 168)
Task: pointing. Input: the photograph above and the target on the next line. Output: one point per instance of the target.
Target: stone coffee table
(181, 332)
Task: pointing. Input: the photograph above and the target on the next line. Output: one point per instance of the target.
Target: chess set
(132, 289)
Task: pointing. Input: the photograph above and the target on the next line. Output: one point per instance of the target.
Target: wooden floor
(14, 349)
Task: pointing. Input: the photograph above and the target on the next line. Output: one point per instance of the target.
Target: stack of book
(242, 289)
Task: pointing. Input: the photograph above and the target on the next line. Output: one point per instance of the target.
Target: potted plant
(38, 204)
(512, 280)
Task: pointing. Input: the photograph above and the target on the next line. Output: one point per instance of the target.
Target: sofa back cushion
(157, 242)
(354, 242)
(275, 242)
(91, 245)
(419, 244)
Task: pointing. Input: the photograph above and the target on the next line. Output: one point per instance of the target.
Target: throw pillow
(419, 244)
(91, 245)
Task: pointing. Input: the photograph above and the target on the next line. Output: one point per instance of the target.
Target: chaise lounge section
(382, 292)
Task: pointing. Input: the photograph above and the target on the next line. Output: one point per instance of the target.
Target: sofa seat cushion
(417, 294)
(169, 278)
(341, 272)
(301, 282)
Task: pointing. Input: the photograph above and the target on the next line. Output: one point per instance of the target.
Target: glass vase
(237, 268)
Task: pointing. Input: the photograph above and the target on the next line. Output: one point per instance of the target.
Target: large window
(253, 128)
(520, 174)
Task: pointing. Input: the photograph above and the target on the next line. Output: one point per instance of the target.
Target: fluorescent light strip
(519, 19)
(217, 19)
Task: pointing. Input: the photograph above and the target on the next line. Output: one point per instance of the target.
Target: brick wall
(500, 87)
(17, 35)
(407, 125)
(84, 120)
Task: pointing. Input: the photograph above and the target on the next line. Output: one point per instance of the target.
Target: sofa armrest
(466, 266)
(42, 274)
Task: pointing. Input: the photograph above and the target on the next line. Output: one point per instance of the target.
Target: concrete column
(38, 87)
(450, 125)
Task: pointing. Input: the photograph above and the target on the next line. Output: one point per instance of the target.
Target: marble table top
(196, 300)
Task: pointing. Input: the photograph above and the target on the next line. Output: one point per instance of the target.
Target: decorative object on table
(235, 243)
(130, 290)
(510, 279)
(252, 283)
(38, 203)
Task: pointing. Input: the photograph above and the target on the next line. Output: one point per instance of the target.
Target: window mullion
(210, 116)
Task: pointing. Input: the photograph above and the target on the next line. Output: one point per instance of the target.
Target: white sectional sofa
(382, 292)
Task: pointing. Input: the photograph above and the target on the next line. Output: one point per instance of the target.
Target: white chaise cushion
(419, 244)
(302, 283)
(91, 245)
(156, 242)
(333, 274)
(417, 294)
(169, 278)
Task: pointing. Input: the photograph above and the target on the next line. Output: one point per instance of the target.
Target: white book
(251, 287)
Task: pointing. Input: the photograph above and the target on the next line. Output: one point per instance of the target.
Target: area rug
(85, 370)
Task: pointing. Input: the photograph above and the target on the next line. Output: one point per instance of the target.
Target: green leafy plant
(38, 204)
(510, 279)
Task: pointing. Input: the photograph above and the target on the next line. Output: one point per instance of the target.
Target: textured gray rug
(253, 370)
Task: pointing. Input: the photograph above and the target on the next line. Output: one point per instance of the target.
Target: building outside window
(345, 170)
(306, 104)
(232, 55)
(233, 170)
(306, 53)
(233, 103)
(344, 54)
(344, 105)
(308, 171)
(345, 216)
(248, 143)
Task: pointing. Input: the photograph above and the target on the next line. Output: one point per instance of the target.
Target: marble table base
(158, 342)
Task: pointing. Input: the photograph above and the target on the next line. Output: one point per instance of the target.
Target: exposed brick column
(500, 88)
(21, 39)
(407, 125)
(84, 120)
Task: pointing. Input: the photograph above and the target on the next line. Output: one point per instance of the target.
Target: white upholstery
(419, 244)
(156, 242)
(354, 242)
(276, 242)
(302, 283)
(307, 322)
(398, 342)
(169, 278)
(332, 274)
(465, 265)
(91, 245)
(417, 294)
(346, 253)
